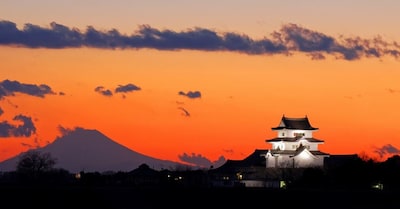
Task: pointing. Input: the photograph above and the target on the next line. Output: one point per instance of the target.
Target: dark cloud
(105, 92)
(26, 129)
(201, 161)
(8, 88)
(387, 149)
(1, 111)
(184, 112)
(127, 88)
(64, 131)
(191, 94)
(289, 38)
(30, 146)
(316, 56)
(229, 151)
(35, 145)
(10, 103)
(120, 89)
(221, 160)
(393, 91)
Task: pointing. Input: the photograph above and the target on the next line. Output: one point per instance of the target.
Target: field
(78, 197)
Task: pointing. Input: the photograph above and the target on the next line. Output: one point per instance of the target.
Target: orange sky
(353, 101)
(242, 98)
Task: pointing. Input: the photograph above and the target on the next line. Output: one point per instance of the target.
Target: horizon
(94, 140)
(195, 82)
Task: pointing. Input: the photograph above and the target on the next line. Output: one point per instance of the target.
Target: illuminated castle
(293, 150)
(294, 145)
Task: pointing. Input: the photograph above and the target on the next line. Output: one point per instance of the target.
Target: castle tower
(294, 145)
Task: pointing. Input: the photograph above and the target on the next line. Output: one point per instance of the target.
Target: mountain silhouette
(91, 151)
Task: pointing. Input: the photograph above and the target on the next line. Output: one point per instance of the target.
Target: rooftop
(294, 123)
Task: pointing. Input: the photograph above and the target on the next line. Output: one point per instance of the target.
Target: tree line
(36, 168)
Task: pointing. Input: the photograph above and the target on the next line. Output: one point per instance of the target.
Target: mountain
(91, 151)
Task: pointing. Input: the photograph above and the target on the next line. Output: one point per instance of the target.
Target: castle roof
(255, 159)
(294, 139)
(296, 152)
(294, 123)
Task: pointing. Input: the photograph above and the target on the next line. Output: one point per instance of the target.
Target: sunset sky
(200, 81)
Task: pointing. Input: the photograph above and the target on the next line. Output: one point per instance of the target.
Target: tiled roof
(294, 152)
(255, 159)
(294, 123)
(292, 139)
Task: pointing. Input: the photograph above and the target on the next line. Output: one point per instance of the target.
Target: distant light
(78, 175)
(239, 176)
(378, 186)
(282, 184)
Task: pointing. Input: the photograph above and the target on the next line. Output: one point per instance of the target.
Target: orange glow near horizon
(353, 103)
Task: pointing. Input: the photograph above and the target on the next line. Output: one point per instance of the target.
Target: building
(294, 146)
(293, 150)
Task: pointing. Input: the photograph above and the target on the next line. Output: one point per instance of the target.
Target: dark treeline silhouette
(348, 182)
(354, 172)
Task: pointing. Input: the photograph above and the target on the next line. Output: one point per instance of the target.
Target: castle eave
(293, 139)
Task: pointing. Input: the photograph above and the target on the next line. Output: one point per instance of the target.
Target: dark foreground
(78, 197)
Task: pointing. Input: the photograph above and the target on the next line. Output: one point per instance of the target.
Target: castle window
(299, 134)
(283, 134)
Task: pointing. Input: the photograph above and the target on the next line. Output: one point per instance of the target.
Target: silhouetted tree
(390, 171)
(33, 163)
(367, 158)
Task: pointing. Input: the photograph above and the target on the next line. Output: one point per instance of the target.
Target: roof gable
(255, 159)
(303, 151)
(294, 123)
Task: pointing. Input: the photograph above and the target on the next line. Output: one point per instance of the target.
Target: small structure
(248, 172)
(144, 176)
(294, 146)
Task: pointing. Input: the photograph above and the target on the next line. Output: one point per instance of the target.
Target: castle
(294, 145)
(293, 150)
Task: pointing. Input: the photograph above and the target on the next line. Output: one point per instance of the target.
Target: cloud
(8, 88)
(392, 91)
(120, 89)
(221, 160)
(201, 161)
(126, 88)
(185, 112)
(35, 145)
(387, 149)
(1, 111)
(105, 92)
(191, 94)
(26, 129)
(229, 151)
(288, 39)
(28, 145)
(64, 131)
